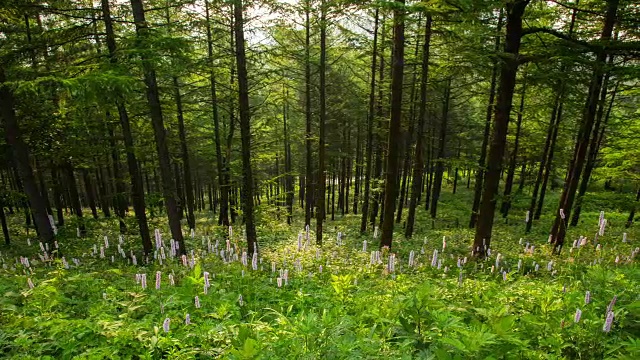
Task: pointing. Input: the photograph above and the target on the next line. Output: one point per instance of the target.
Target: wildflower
(587, 297)
(624, 237)
(608, 322)
(230, 232)
(143, 281)
(187, 318)
(206, 279)
(171, 280)
(550, 265)
(391, 264)
(375, 232)
(240, 301)
(165, 325)
(193, 233)
(254, 261)
(598, 248)
(519, 264)
(434, 259)
(197, 302)
(601, 219)
(184, 260)
(537, 267)
(617, 259)
(612, 303)
(31, 286)
(562, 214)
(504, 276)
(158, 279)
(364, 246)
(299, 241)
(106, 242)
(576, 318)
(603, 225)
(444, 243)
(279, 282)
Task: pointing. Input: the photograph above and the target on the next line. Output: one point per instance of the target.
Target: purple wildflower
(608, 322)
(165, 325)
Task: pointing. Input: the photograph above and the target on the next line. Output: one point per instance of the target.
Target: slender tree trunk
(320, 211)
(137, 187)
(506, 200)
(508, 72)
(632, 213)
(371, 116)
(391, 178)
(75, 197)
(21, 156)
(287, 160)
(416, 186)
(309, 191)
(188, 182)
(559, 228)
(437, 186)
(90, 191)
(153, 98)
(119, 203)
(44, 191)
(57, 195)
(377, 168)
(482, 163)
(3, 221)
(245, 129)
(594, 147)
(223, 218)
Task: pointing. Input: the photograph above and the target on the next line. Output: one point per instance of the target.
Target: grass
(334, 304)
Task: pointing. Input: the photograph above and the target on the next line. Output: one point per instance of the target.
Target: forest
(320, 179)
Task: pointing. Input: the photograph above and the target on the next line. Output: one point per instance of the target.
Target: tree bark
(508, 186)
(391, 178)
(137, 187)
(320, 211)
(437, 186)
(90, 191)
(482, 163)
(21, 156)
(594, 147)
(632, 213)
(309, 188)
(371, 116)
(558, 231)
(188, 182)
(508, 72)
(245, 129)
(223, 217)
(416, 186)
(160, 134)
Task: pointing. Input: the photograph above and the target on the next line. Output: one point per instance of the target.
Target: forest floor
(334, 302)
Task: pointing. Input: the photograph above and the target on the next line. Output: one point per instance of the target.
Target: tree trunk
(188, 182)
(594, 146)
(391, 178)
(437, 186)
(287, 160)
(632, 213)
(3, 221)
(90, 191)
(416, 186)
(245, 129)
(508, 72)
(482, 163)
(75, 197)
(371, 116)
(162, 148)
(506, 200)
(223, 217)
(137, 187)
(21, 156)
(309, 191)
(559, 228)
(320, 211)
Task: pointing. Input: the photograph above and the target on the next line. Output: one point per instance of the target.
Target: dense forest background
(169, 108)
